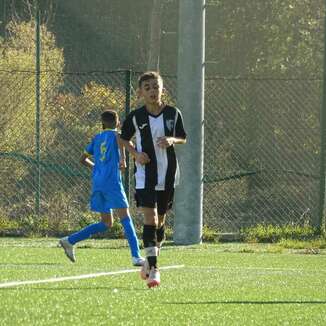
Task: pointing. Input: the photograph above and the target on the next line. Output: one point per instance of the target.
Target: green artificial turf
(220, 284)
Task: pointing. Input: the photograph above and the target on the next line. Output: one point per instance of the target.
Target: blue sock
(130, 234)
(87, 232)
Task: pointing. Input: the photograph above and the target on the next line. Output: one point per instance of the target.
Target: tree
(155, 36)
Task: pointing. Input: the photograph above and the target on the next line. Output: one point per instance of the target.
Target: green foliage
(17, 54)
(34, 226)
(266, 38)
(7, 226)
(276, 37)
(18, 49)
(261, 38)
(210, 234)
(275, 233)
(313, 244)
(168, 233)
(116, 232)
(17, 128)
(68, 120)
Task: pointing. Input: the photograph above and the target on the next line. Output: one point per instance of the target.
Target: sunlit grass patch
(221, 284)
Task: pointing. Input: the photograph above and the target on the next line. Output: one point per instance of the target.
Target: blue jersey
(106, 173)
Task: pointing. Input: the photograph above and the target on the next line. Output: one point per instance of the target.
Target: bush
(7, 226)
(210, 234)
(116, 232)
(275, 233)
(314, 244)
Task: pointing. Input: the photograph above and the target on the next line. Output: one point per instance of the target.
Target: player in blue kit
(107, 189)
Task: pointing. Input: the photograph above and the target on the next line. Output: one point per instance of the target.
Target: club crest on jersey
(169, 124)
(142, 126)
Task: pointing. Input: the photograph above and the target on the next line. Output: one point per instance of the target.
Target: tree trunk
(155, 36)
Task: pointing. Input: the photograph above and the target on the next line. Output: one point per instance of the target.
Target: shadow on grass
(122, 245)
(249, 302)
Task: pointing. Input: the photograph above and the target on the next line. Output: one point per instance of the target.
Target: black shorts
(160, 199)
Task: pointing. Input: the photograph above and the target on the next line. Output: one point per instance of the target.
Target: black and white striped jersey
(162, 172)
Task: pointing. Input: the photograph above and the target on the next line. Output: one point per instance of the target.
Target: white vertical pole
(191, 77)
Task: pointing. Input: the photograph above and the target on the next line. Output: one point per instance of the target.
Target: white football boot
(144, 271)
(138, 261)
(68, 248)
(154, 278)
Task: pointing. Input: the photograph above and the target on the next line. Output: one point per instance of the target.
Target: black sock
(160, 233)
(149, 240)
(152, 261)
(149, 236)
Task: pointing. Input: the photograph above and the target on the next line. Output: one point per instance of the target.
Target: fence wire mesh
(262, 112)
(262, 152)
(262, 147)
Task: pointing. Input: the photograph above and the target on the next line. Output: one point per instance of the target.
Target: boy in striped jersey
(157, 127)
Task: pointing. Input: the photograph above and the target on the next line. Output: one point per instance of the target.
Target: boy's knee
(107, 219)
(122, 213)
(150, 216)
(108, 224)
(161, 220)
(151, 221)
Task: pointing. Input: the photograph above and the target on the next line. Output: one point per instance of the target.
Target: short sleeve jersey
(162, 171)
(105, 151)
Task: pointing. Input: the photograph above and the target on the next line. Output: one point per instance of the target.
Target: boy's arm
(140, 157)
(165, 142)
(85, 160)
(129, 146)
(127, 132)
(179, 140)
(121, 147)
(122, 161)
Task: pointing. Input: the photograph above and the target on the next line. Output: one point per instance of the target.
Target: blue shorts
(103, 203)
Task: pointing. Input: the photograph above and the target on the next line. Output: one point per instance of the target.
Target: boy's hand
(165, 142)
(142, 158)
(122, 164)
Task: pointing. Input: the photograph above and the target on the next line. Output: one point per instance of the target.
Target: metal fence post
(127, 110)
(322, 141)
(37, 107)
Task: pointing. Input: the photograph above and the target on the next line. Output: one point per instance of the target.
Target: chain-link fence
(262, 146)
(47, 180)
(263, 95)
(262, 152)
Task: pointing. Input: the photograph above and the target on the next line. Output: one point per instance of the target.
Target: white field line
(258, 268)
(77, 277)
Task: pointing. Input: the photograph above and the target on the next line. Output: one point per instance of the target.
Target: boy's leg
(149, 235)
(164, 203)
(67, 243)
(146, 200)
(85, 233)
(160, 232)
(107, 219)
(98, 204)
(131, 236)
(151, 273)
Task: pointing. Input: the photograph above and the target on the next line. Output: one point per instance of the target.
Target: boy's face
(151, 91)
